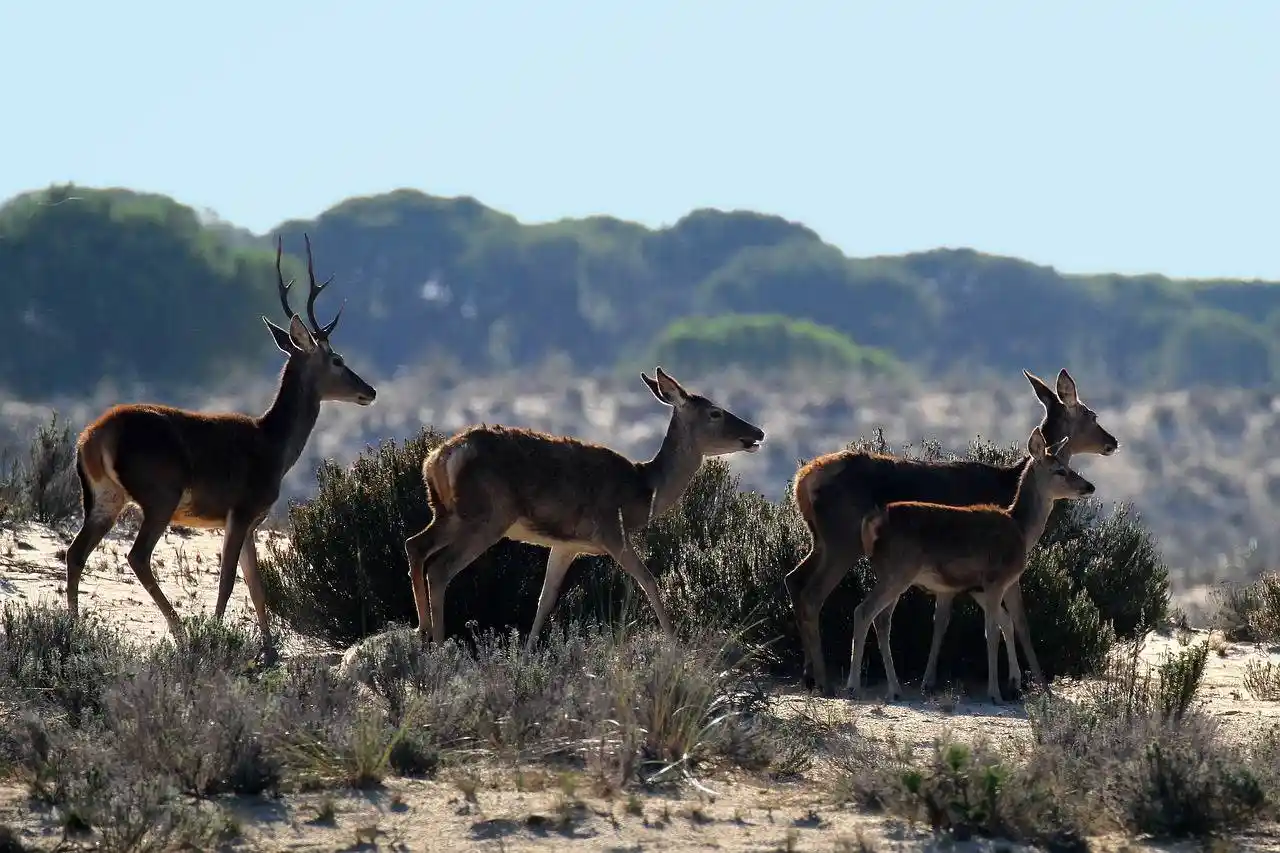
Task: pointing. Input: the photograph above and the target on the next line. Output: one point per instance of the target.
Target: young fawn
(948, 550)
(492, 482)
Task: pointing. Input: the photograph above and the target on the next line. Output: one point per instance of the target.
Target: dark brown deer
(952, 549)
(834, 492)
(210, 470)
(487, 483)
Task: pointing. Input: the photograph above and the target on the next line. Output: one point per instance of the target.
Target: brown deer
(951, 549)
(487, 483)
(210, 469)
(834, 492)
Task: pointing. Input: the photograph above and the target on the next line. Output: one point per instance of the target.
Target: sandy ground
(745, 814)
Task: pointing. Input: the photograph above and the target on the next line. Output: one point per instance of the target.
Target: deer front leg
(1005, 620)
(233, 540)
(1018, 615)
(253, 580)
(883, 623)
(616, 543)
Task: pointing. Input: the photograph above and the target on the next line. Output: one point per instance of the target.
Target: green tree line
(119, 286)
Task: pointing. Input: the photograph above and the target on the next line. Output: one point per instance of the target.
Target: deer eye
(715, 414)
(337, 360)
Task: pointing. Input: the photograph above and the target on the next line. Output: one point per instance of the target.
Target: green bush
(720, 556)
(765, 341)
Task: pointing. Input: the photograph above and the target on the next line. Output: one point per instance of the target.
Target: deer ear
(301, 335)
(1059, 446)
(653, 387)
(672, 390)
(1043, 391)
(1067, 388)
(282, 339)
(1035, 444)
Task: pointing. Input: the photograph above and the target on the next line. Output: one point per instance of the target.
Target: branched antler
(320, 332)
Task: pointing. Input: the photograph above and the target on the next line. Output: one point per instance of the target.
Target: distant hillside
(113, 284)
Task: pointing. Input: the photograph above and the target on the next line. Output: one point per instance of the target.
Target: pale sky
(1093, 136)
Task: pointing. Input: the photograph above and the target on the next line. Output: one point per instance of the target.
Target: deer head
(1065, 414)
(309, 348)
(700, 423)
(1053, 477)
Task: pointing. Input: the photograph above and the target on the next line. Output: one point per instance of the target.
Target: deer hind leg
(451, 559)
(421, 547)
(102, 506)
(796, 580)
(884, 594)
(558, 562)
(155, 518)
(883, 623)
(831, 564)
(942, 603)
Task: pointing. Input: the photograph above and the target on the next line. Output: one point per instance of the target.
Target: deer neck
(292, 415)
(668, 473)
(1031, 507)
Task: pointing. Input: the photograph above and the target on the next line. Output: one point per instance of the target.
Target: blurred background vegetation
(113, 286)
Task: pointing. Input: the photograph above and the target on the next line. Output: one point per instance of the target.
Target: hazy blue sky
(1135, 136)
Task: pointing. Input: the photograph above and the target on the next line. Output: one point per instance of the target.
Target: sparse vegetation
(1250, 612)
(1133, 754)
(40, 483)
(120, 737)
(140, 745)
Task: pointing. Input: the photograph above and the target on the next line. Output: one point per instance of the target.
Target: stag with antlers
(210, 470)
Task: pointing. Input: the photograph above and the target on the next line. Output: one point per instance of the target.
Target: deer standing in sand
(835, 491)
(952, 549)
(487, 483)
(210, 470)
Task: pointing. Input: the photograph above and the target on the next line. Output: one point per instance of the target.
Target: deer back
(559, 486)
(952, 547)
(217, 461)
(850, 483)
